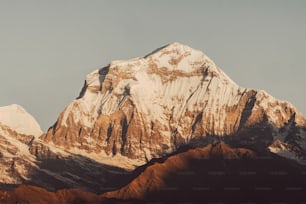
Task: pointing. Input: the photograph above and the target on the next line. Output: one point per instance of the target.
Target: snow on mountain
(18, 119)
(150, 106)
(17, 130)
(132, 111)
(24, 158)
(16, 161)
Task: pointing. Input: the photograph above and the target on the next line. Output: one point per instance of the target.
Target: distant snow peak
(18, 119)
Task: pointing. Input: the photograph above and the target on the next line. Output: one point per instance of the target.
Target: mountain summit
(144, 108)
(17, 118)
(156, 128)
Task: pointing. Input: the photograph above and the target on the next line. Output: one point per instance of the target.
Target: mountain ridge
(175, 94)
(132, 112)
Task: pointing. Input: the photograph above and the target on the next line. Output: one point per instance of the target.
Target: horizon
(49, 47)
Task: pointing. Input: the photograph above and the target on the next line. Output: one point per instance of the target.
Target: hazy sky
(48, 46)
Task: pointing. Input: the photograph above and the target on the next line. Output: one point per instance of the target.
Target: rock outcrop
(18, 129)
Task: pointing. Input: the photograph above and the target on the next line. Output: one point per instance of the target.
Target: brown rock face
(155, 177)
(16, 162)
(210, 174)
(34, 195)
(148, 107)
(215, 173)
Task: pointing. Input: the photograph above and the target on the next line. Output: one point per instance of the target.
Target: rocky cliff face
(18, 129)
(16, 161)
(148, 107)
(24, 158)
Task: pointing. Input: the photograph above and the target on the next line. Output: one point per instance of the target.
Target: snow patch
(22, 149)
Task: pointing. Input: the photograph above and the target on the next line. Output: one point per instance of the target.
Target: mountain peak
(178, 46)
(167, 46)
(14, 107)
(17, 118)
(178, 56)
(149, 106)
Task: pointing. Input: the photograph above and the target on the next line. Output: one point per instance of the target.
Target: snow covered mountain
(131, 112)
(143, 108)
(25, 159)
(17, 130)
(18, 119)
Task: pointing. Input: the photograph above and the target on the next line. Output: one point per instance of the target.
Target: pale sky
(48, 46)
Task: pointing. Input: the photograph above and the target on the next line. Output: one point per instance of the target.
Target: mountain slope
(144, 108)
(156, 176)
(36, 195)
(216, 173)
(25, 159)
(17, 130)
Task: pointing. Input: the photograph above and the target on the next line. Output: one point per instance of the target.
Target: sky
(48, 46)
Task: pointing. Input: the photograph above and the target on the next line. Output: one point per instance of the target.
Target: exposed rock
(215, 174)
(33, 195)
(16, 162)
(25, 159)
(148, 107)
(211, 174)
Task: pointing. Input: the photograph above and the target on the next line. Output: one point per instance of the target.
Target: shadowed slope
(216, 173)
(34, 195)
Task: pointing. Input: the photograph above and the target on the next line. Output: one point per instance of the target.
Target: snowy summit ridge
(18, 119)
(149, 106)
